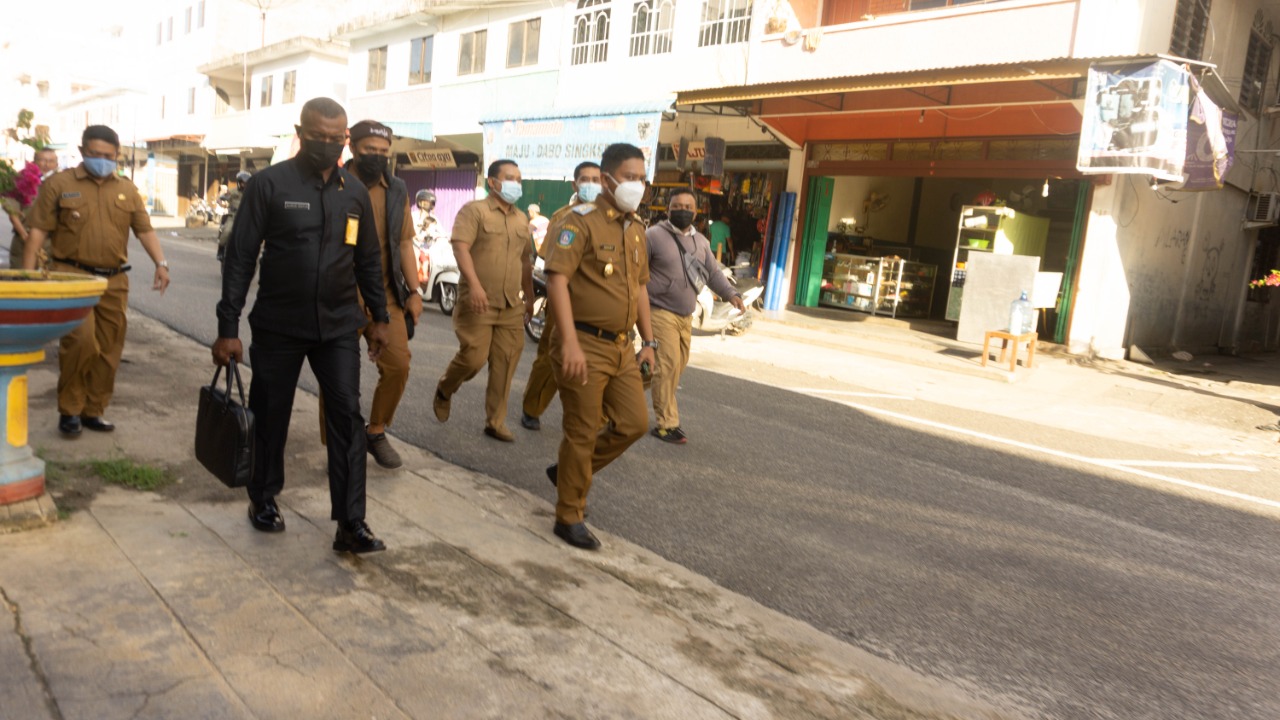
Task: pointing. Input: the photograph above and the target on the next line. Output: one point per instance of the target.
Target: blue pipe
(781, 246)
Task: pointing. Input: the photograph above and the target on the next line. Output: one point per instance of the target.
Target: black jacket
(397, 198)
(318, 243)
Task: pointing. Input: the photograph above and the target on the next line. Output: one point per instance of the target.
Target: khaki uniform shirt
(90, 223)
(378, 197)
(603, 253)
(499, 243)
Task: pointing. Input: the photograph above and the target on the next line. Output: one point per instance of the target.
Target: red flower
(26, 185)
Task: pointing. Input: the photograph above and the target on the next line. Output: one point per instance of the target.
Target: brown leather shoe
(382, 452)
(441, 405)
(502, 434)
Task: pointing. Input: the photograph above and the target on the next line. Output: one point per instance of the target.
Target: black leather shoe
(266, 517)
(97, 424)
(69, 425)
(553, 473)
(529, 422)
(356, 537)
(577, 535)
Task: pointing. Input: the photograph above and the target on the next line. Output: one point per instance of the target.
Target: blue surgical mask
(99, 167)
(511, 191)
(588, 191)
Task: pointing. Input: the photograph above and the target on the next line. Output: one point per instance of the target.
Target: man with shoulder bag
(680, 264)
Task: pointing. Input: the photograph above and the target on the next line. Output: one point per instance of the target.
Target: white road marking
(1185, 465)
(1099, 462)
(851, 393)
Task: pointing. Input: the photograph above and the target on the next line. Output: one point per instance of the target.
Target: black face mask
(371, 167)
(318, 154)
(682, 218)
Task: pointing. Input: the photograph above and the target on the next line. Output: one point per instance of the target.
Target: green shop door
(813, 246)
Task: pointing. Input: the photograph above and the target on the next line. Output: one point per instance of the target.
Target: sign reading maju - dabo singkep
(550, 148)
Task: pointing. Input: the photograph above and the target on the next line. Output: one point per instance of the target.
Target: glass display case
(880, 286)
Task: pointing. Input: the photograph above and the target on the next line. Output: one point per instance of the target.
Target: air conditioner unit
(1263, 207)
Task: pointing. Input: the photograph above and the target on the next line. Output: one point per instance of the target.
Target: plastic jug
(1022, 317)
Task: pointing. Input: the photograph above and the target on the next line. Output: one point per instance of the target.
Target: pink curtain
(453, 189)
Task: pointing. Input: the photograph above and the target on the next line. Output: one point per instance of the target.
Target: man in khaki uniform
(89, 210)
(597, 271)
(47, 160)
(541, 385)
(492, 245)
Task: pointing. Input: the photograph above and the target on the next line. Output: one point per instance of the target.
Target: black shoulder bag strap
(693, 270)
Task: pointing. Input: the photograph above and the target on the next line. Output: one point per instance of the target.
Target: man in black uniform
(316, 222)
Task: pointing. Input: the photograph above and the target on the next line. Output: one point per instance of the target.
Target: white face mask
(628, 195)
(588, 191)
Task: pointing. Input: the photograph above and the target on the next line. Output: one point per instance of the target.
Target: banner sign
(1211, 143)
(549, 149)
(1135, 120)
(713, 157)
(431, 159)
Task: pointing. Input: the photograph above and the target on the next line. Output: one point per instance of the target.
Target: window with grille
(1190, 23)
(724, 22)
(522, 42)
(289, 90)
(265, 95)
(471, 49)
(591, 32)
(1266, 256)
(377, 79)
(1257, 61)
(651, 22)
(420, 50)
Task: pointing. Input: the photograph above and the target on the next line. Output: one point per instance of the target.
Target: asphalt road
(1063, 588)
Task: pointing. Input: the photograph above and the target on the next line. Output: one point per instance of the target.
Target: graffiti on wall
(1176, 240)
(1207, 286)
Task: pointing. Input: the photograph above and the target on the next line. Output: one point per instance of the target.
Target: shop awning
(548, 145)
(411, 129)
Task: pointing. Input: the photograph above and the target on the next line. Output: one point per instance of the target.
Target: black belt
(598, 332)
(101, 272)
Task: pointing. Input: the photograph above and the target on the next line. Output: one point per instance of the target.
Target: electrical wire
(1046, 125)
(993, 111)
(1137, 204)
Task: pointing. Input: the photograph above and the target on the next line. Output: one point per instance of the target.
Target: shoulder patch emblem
(566, 238)
(584, 208)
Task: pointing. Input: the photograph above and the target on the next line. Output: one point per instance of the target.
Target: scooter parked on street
(714, 315)
(438, 273)
(538, 321)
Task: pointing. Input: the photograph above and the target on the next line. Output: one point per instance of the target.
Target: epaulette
(584, 208)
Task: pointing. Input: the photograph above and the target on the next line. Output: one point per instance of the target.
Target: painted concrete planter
(34, 309)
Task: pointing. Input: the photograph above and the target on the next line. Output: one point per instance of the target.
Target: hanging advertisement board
(1135, 120)
(549, 148)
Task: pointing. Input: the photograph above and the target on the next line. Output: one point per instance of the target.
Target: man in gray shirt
(680, 261)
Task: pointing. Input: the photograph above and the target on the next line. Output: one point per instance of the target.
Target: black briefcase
(224, 431)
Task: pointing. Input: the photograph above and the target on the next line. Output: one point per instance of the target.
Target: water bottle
(1022, 316)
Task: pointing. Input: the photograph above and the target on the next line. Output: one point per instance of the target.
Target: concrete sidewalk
(168, 605)
(1210, 406)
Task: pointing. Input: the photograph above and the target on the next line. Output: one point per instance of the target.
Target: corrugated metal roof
(636, 108)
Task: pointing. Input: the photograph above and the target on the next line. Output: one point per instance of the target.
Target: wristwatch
(163, 264)
(650, 344)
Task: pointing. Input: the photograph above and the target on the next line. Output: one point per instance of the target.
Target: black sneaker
(529, 422)
(382, 452)
(674, 435)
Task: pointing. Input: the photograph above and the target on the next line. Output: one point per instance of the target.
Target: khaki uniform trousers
(90, 355)
(496, 338)
(541, 386)
(614, 389)
(673, 333)
(393, 371)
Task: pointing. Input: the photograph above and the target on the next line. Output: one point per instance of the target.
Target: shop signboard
(1135, 120)
(549, 148)
(431, 159)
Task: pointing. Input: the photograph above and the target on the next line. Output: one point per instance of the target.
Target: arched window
(724, 22)
(651, 26)
(591, 32)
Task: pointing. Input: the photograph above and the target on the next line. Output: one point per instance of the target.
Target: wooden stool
(1005, 339)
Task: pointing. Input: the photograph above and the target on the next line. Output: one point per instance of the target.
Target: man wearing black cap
(371, 148)
(321, 257)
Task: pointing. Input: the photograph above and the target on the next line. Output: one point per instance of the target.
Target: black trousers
(277, 362)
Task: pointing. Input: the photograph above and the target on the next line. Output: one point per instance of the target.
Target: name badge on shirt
(353, 229)
(294, 205)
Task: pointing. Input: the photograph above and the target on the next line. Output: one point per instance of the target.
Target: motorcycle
(438, 274)
(714, 315)
(199, 213)
(538, 321)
